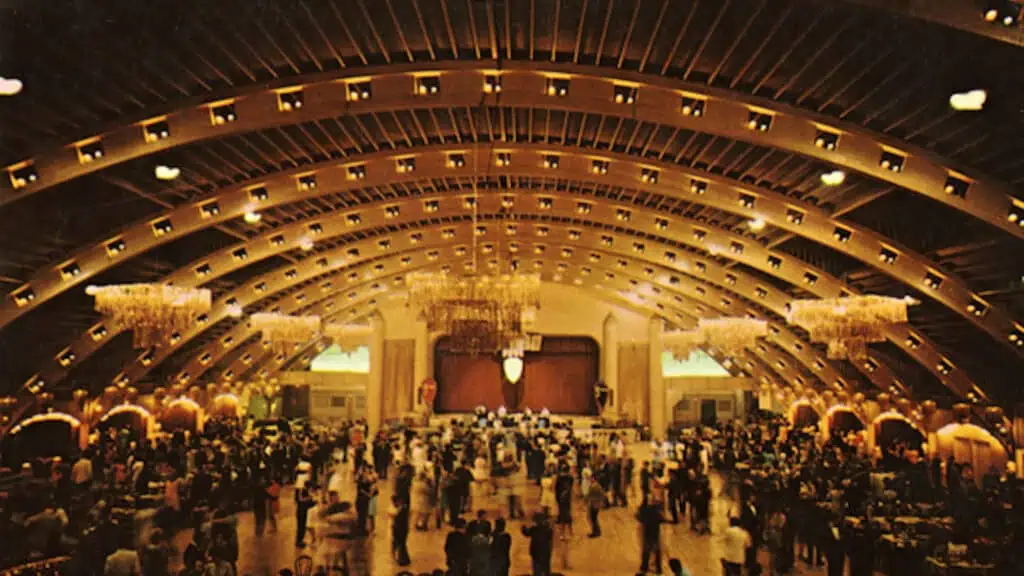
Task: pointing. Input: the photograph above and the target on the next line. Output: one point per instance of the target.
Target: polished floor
(616, 552)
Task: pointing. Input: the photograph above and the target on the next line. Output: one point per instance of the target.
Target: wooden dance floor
(616, 552)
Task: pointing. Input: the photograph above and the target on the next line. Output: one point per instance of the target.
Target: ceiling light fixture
(166, 173)
(970, 101)
(756, 225)
(10, 86)
(833, 178)
(253, 217)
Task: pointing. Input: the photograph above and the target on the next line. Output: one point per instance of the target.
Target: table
(943, 568)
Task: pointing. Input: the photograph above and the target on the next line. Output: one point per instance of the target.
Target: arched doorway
(803, 415)
(135, 418)
(180, 415)
(42, 436)
(894, 432)
(225, 406)
(971, 445)
(842, 420)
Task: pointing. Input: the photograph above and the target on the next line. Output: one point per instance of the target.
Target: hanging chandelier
(153, 312)
(732, 335)
(478, 313)
(348, 337)
(682, 343)
(283, 331)
(848, 324)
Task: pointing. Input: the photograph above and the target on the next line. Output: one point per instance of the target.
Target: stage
(584, 427)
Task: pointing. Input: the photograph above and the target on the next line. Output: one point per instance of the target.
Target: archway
(42, 436)
(131, 416)
(894, 432)
(971, 445)
(841, 420)
(225, 406)
(803, 415)
(182, 414)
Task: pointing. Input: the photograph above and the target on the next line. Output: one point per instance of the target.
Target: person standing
(563, 495)
(595, 499)
(363, 489)
(501, 548)
(456, 548)
(651, 519)
(737, 542)
(259, 504)
(400, 530)
(304, 501)
(541, 544)
(273, 504)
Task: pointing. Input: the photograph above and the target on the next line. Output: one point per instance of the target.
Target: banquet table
(939, 567)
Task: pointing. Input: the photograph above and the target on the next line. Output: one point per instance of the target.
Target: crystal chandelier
(153, 312)
(283, 331)
(479, 313)
(348, 337)
(848, 324)
(732, 334)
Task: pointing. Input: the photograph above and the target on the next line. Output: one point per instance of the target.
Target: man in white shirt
(303, 474)
(737, 540)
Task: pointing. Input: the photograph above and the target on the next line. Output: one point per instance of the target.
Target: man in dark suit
(651, 520)
(501, 547)
(456, 549)
(479, 525)
(541, 544)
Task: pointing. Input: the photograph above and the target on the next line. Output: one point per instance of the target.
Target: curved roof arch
(586, 89)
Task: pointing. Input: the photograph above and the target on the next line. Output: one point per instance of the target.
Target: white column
(610, 361)
(374, 387)
(656, 384)
(421, 362)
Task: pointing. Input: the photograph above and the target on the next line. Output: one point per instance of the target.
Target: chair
(304, 565)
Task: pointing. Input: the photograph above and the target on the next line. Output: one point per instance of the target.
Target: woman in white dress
(481, 482)
(548, 502)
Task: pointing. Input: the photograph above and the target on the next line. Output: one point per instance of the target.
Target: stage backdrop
(560, 378)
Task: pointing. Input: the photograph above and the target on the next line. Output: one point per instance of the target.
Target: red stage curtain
(562, 384)
(465, 382)
(560, 377)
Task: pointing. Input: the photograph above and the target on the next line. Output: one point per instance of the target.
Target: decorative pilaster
(610, 361)
(656, 390)
(421, 362)
(374, 387)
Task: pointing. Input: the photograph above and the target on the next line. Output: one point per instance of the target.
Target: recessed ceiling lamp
(833, 178)
(166, 172)
(252, 217)
(970, 101)
(10, 86)
(756, 225)
(306, 244)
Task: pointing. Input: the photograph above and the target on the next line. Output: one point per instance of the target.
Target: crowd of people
(123, 506)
